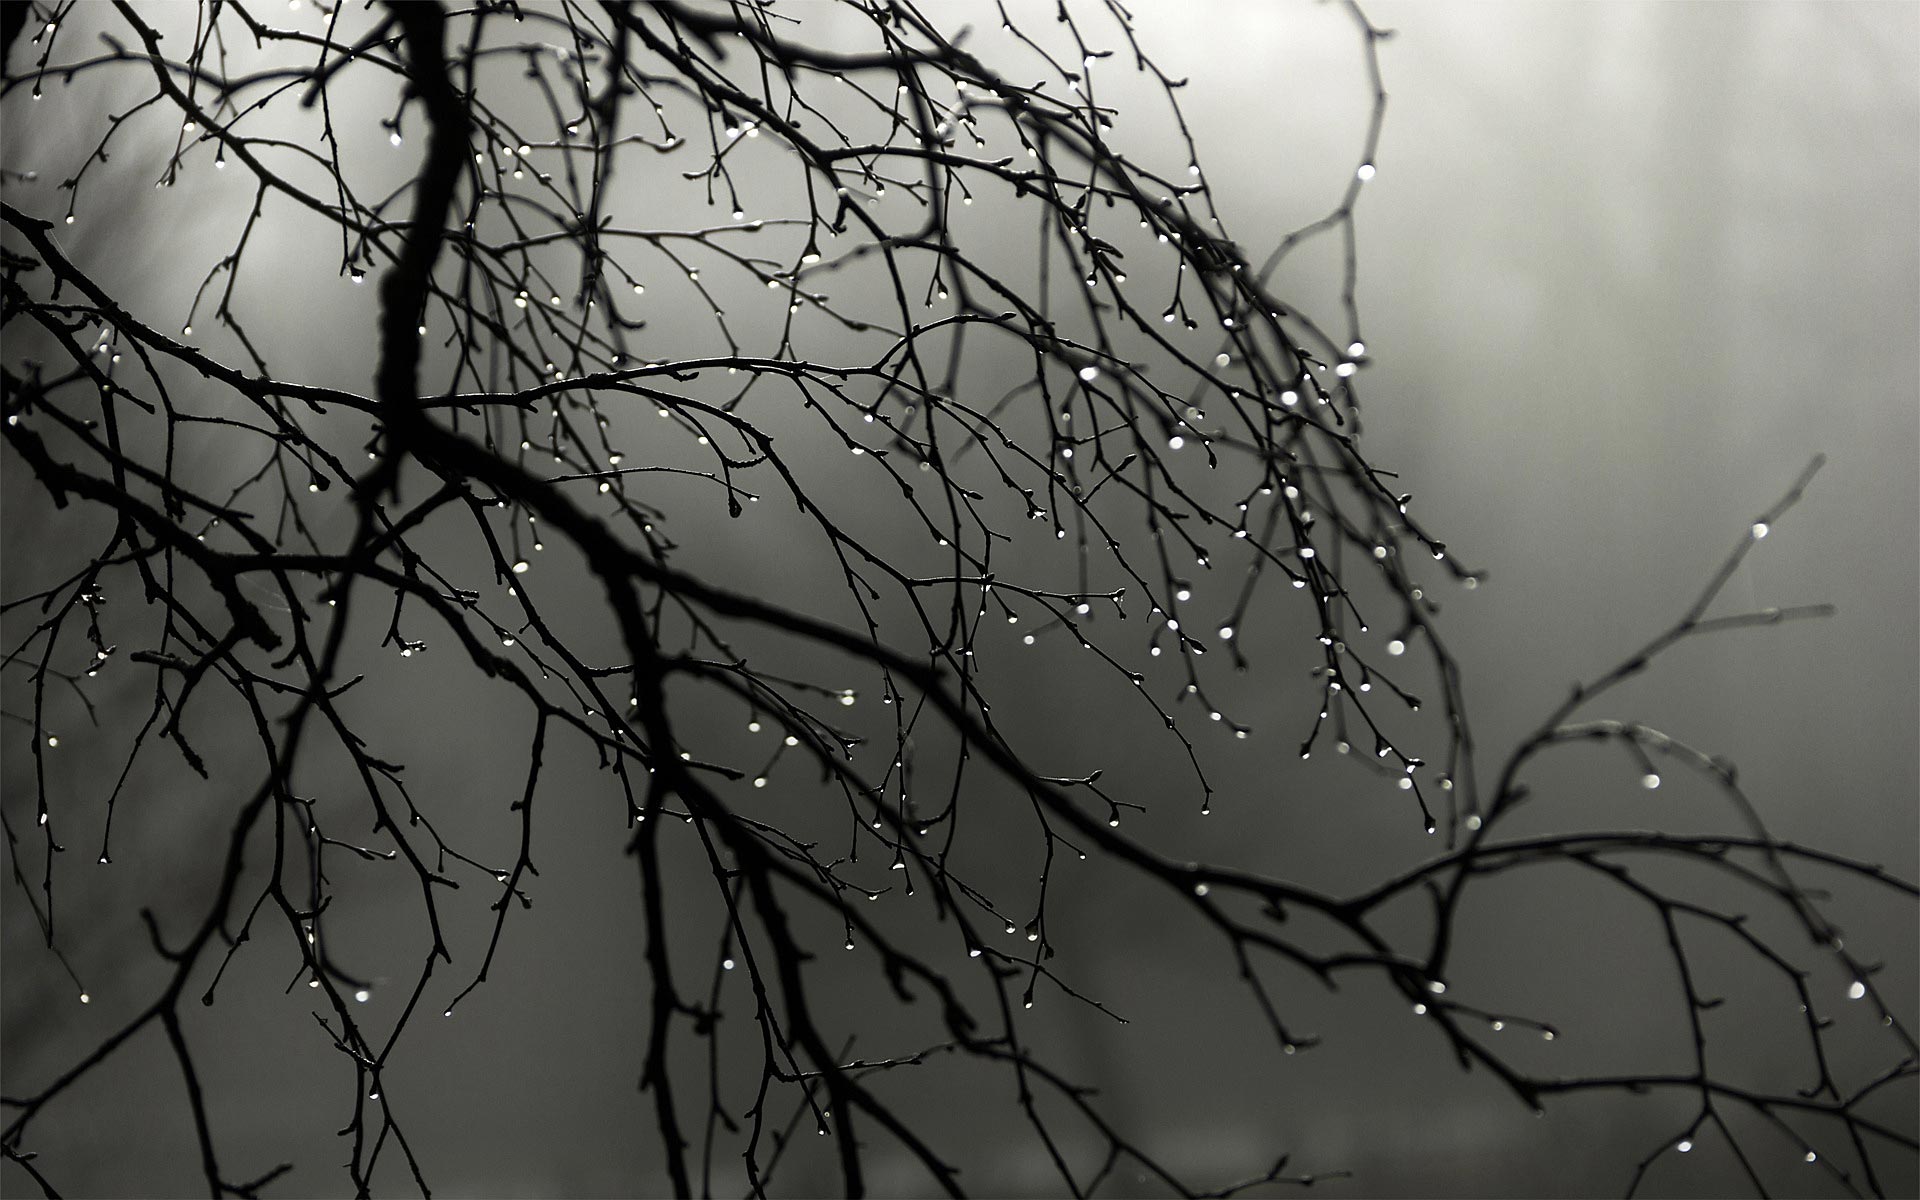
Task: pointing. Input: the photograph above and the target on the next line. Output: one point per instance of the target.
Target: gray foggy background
(1624, 269)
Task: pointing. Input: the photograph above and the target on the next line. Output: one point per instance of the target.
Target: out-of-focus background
(1624, 269)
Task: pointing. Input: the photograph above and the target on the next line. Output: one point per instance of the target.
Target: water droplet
(1365, 172)
(520, 568)
(1396, 647)
(1856, 990)
(1089, 374)
(1760, 530)
(362, 996)
(1684, 1146)
(85, 999)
